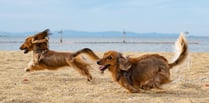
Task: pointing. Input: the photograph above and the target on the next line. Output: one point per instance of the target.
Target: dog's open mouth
(104, 67)
(26, 51)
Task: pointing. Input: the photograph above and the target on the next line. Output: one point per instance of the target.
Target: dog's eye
(109, 58)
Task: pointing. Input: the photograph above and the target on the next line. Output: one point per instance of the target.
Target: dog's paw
(134, 91)
(89, 78)
(27, 69)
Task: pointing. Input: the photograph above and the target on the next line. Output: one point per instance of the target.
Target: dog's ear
(124, 64)
(42, 35)
(46, 31)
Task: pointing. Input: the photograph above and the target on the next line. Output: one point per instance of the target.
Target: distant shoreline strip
(129, 42)
(5, 42)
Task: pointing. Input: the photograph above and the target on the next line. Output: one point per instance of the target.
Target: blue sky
(164, 16)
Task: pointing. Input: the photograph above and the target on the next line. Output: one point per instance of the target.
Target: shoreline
(123, 42)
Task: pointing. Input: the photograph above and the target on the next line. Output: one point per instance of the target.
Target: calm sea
(133, 44)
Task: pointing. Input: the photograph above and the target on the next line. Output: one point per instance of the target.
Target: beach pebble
(25, 80)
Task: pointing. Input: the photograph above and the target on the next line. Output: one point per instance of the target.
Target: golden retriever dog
(145, 72)
(43, 58)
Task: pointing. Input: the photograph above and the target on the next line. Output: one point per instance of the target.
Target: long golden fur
(43, 58)
(144, 72)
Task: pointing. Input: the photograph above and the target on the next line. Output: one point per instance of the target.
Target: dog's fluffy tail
(181, 47)
(88, 52)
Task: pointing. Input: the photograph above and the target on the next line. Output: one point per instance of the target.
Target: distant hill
(112, 33)
(18, 34)
(74, 33)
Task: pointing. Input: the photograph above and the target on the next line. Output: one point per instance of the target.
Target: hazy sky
(164, 16)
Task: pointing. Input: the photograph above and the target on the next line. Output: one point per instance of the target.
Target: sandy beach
(190, 83)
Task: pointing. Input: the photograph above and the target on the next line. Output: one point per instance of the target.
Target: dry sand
(67, 86)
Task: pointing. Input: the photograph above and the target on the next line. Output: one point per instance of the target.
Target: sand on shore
(68, 86)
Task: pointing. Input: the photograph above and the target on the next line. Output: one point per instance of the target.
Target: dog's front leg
(128, 86)
(29, 66)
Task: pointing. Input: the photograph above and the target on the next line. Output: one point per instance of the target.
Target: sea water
(101, 44)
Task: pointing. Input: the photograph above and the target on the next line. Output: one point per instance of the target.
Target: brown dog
(43, 58)
(145, 72)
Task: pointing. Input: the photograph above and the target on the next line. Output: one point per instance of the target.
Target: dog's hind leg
(81, 67)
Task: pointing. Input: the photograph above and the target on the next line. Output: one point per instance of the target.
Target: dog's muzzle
(26, 51)
(102, 68)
